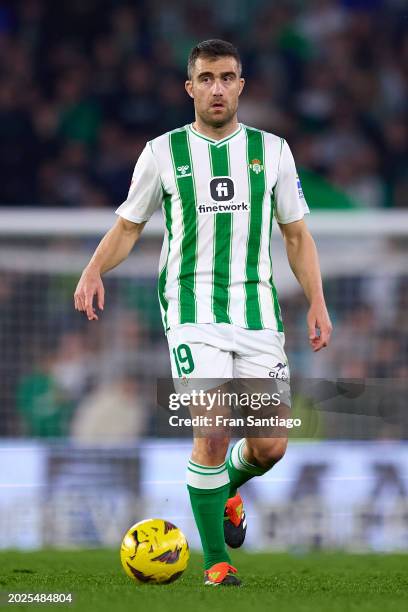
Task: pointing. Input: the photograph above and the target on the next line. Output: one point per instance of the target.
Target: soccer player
(219, 184)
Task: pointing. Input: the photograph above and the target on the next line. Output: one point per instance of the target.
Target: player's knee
(267, 454)
(211, 449)
(217, 445)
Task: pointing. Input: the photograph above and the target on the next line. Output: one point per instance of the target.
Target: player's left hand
(319, 326)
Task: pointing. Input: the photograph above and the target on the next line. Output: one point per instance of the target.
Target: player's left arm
(304, 261)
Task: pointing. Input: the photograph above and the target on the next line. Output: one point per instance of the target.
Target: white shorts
(225, 351)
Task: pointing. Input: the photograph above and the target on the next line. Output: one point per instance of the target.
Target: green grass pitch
(277, 582)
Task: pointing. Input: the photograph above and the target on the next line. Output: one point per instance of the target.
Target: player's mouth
(217, 106)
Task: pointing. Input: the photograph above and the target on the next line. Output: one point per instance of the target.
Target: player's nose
(217, 89)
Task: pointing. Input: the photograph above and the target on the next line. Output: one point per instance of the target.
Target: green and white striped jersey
(218, 199)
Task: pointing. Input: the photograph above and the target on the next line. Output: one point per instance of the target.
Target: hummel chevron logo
(183, 171)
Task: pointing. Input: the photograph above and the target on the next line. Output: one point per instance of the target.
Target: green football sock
(239, 470)
(209, 489)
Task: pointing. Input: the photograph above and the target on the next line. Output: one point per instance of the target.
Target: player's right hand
(89, 285)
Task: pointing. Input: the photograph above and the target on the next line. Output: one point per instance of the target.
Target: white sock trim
(206, 469)
(240, 463)
(207, 478)
(235, 457)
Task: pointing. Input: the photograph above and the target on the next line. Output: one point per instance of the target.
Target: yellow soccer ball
(155, 552)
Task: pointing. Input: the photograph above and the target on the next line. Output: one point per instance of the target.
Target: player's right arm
(114, 247)
(144, 197)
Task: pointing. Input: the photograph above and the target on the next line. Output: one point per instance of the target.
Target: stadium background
(83, 451)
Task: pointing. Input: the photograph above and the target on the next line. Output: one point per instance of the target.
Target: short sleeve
(145, 193)
(290, 203)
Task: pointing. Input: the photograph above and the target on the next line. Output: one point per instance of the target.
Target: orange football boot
(235, 524)
(221, 574)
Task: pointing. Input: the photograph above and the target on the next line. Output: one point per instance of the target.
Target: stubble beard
(215, 122)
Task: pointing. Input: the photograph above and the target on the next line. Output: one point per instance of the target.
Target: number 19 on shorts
(183, 359)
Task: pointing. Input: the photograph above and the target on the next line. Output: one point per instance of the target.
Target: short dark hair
(212, 49)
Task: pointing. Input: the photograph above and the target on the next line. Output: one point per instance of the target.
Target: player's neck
(216, 133)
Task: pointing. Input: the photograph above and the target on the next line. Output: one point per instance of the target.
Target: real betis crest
(256, 166)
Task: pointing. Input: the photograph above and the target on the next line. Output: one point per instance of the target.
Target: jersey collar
(217, 143)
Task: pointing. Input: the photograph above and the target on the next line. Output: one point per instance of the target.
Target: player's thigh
(199, 366)
(211, 434)
(261, 367)
(261, 354)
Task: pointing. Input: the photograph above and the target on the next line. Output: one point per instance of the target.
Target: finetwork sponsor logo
(222, 189)
(213, 207)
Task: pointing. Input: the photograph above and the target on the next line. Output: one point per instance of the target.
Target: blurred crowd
(61, 376)
(370, 338)
(84, 84)
(97, 382)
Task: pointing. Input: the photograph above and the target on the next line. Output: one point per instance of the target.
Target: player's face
(215, 87)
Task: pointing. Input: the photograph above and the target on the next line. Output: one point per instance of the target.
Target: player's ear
(241, 85)
(189, 88)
